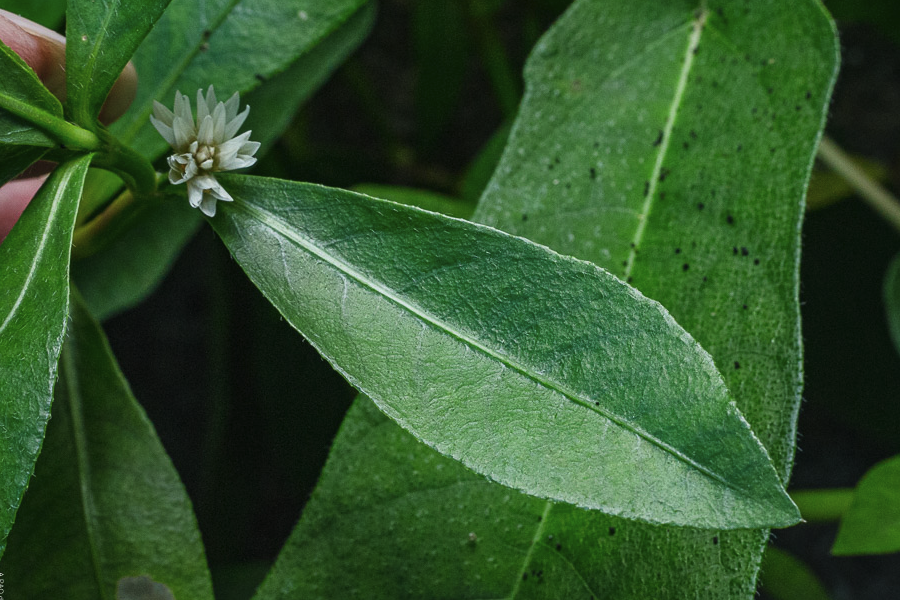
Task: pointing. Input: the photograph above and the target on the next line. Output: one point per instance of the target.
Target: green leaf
(872, 524)
(372, 530)
(106, 502)
(454, 328)
(892, 300)
(133, 266)
(785, 577)
(613, 71)
(34, 303)
(274, 104)
(232, 45)
(100, 39)
(22, 87)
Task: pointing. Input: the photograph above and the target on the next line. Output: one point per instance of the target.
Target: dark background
(246, 408)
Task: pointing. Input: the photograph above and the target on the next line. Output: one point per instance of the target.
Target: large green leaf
(111, 280)
(106, 502)
(727, 173)
(872, 523)
(543, 372)
(34, 303)
(100, 39)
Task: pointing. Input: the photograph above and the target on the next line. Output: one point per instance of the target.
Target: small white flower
(207, 148)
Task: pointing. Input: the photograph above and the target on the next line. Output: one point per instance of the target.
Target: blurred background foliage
(247, 410)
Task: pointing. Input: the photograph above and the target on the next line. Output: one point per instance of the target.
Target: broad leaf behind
(106, 502)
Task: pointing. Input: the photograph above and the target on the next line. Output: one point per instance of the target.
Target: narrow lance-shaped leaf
(106, 502)
(34, 303)
(545, 373)
(600, 75)
(100, 39)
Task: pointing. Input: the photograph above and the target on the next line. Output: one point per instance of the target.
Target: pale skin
(44, 51)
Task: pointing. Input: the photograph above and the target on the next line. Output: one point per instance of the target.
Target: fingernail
(33, 28)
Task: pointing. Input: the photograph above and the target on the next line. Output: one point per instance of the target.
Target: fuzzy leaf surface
(543, 372)
(100, 39)
(34, 304)
(106, 502)
(602, 86)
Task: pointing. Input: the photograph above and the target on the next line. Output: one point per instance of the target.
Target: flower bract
(204, 147)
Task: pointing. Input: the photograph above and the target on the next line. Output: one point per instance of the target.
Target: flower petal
(206, 135)
(183, 110)
(164, 130)
(208, 205)
(210, 99)
(195, 192)
(184, 134)
(219, 124)
(202, 107)
(235, 122)
(162, 113)
(231, 107)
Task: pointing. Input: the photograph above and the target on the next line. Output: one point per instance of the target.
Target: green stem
(823, 506)
(133, 168)
(68, 135)
(93, 235)
(885, 203)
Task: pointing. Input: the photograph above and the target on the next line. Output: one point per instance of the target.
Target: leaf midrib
(73, 395)
(697, 26)
(693, 40)
(44, 239)
(85, 99)
(310, 247)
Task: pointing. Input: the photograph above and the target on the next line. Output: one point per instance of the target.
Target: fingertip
(42, 49)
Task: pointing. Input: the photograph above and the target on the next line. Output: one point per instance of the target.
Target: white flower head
(206, 148)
